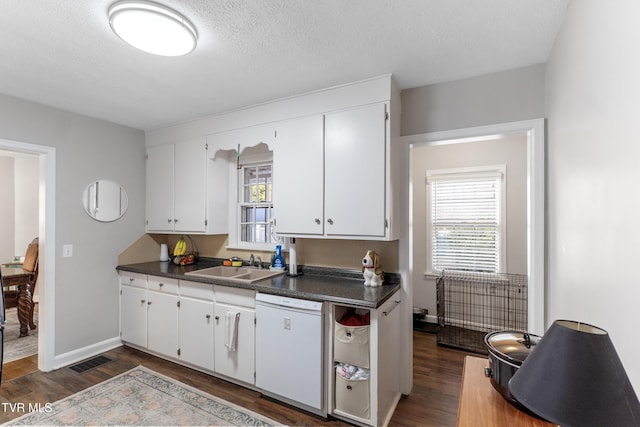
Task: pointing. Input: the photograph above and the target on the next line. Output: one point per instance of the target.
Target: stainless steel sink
(235, 274)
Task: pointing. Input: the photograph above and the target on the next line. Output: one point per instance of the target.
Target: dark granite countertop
(316, 283)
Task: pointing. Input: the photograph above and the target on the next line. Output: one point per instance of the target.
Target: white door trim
(534, 130)
(46, 235)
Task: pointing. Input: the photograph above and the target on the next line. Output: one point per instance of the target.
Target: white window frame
(235, 233)
(478, 172)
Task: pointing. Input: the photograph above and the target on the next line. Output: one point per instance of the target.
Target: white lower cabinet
(133, 315)
(196, 324)
(162, 324)
(191, 322)
(149, 313)
(234, 347)
(162, 315)
(370, 396)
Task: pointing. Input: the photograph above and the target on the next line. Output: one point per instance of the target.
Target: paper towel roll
(164, 252)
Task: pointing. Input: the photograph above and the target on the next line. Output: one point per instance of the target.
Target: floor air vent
(89, 364)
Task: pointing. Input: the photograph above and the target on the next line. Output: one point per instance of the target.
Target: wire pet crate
(470, 305)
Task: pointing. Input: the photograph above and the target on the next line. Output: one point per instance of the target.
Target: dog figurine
(372, 269)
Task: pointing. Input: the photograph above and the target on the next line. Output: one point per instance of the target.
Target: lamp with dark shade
(575, 378)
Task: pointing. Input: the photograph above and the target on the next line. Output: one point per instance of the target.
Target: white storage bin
(352, 397)
(351, 344)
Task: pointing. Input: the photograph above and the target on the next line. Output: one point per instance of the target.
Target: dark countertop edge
(391, 280)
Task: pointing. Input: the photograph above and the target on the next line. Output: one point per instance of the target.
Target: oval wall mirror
(105, 200)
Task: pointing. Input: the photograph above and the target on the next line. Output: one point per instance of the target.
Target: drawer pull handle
(131, 279)
(349, 387)
(349, 334)
(386, 313)
(317, 220)
(161, 284)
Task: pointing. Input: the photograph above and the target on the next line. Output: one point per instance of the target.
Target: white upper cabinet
(298, 176)
(355, 167)
(160, 188)
(334, 165)
(179, 182)
(190, 179)
(330, 174)
(241, 138)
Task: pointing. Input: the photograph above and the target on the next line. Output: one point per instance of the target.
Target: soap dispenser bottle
(278, 261)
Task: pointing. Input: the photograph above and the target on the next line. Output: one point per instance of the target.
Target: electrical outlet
(67, 251)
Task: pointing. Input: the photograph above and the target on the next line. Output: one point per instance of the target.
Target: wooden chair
(29, 265)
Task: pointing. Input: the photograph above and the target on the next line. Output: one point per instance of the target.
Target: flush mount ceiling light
(152, 27)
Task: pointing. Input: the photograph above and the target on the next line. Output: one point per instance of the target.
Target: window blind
(466, 221)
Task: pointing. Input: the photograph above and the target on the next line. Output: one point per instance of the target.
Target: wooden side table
(481, 405)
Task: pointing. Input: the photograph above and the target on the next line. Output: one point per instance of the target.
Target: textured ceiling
(62, 53)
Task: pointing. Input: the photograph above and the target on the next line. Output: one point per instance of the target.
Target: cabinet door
(162, 324)
(159, 175)
(355, 143)
(195, 332)
(190, 179)
(238, 363)
(298, 173)
(133, 315)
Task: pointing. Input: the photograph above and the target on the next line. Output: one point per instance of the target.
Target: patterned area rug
(14, 347)
(142, 397)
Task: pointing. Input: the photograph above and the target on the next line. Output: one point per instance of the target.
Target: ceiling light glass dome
(152, 27)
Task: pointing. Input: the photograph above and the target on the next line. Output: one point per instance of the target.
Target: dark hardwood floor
(437, 373)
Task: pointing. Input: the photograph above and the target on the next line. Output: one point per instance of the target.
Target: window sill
(259, 247)
(431, 275)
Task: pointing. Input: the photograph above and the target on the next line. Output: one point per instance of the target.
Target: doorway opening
(533, 132)
(46, 235)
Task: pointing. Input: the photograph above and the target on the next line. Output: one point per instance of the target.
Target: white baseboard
(74, 356)
(430, 318)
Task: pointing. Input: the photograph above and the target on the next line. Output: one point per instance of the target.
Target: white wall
(510, 151)
(593, 103)
(26, 201)
(86, 291)
(7, 216)
(18, 192)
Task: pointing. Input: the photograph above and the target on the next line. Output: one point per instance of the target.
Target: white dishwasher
(289, 350)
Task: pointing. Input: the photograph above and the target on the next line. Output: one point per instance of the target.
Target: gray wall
(87, 149)
(593, 174)
(490, 99)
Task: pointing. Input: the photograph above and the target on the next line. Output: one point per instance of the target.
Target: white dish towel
(231, 330)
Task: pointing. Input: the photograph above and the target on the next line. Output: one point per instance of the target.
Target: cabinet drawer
(196, 290)
(351, 344)
(235, 296)
(136, 280)
(352, 396)
(163, 285)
